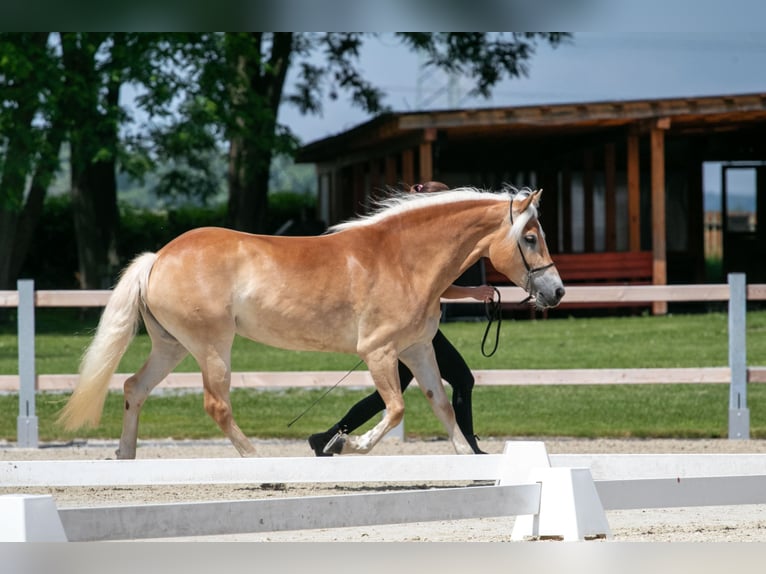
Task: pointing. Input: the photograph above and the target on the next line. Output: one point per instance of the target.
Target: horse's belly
(298, 340)
(297, 334)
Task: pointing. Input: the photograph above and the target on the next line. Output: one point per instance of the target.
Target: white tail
(116, 330)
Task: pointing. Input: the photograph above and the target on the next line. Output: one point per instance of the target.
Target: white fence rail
(561, 496)
(737, 374)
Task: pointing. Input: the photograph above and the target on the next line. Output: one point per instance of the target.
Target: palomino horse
(372, 287)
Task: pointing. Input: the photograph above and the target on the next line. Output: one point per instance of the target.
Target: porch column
(408, 167)
(426, 157)
(659, 243)
(375, 183)
(587, 191)
(390, 175)
(634, 193)
(566, 207)
(361, 193)
(610, 197)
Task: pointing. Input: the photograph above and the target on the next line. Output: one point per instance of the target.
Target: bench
(602, 268)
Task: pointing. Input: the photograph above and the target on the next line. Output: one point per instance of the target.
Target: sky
(592, 66)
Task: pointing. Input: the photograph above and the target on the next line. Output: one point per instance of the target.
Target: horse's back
(217, 282)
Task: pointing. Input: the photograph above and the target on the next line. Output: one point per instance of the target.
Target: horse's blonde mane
(403, 202)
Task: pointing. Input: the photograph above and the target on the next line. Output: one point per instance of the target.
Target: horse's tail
(116, 330)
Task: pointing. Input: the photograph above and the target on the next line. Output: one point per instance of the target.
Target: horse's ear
(537, 195)
(527, 201)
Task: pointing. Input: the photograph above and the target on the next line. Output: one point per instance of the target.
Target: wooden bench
(604, 268)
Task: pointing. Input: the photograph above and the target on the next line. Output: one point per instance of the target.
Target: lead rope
(493, 311)
(312, 405)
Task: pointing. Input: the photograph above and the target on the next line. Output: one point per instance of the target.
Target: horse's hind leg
(216, 377)
(165, 355)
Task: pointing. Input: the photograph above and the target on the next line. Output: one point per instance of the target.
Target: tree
(244, 81)
(92, 78)
(57, 88)
(203, 89)
(95, 67)
(31, 133)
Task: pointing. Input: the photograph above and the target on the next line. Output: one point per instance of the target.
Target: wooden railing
(737, 374)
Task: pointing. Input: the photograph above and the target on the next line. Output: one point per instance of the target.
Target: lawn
(693, 340)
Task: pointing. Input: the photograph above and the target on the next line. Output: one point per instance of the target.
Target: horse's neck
(440, 248)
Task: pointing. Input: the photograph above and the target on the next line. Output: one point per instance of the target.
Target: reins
(493, 311)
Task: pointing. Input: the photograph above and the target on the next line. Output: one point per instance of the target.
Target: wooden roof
(695, 114)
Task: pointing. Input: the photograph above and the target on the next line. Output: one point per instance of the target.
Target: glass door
(743, 189)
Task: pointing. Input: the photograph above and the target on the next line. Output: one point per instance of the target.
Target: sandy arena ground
(708, 524)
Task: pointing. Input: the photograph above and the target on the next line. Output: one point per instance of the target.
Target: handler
(452, 367)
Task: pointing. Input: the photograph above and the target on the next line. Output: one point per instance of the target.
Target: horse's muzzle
(546, 299)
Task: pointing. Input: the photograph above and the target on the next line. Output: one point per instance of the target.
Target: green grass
(584, 411)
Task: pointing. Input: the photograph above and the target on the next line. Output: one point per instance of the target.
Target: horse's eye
(530, 239)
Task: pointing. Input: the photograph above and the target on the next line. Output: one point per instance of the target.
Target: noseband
(531, 271)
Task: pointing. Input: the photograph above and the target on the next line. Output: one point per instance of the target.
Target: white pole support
(570, 508)
(739, 414)
(519, 458)
(30, 518)
(26, 435)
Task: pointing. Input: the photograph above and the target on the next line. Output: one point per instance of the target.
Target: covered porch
(620, 177)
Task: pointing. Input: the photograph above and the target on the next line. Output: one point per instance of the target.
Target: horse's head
(522, 255)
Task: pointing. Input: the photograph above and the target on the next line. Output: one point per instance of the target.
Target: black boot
(318, 441)
(473, 443)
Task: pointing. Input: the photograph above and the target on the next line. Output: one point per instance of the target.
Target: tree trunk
(46, 168)
(93, 140)
(94, 204)
(256, 94)
(12, 184)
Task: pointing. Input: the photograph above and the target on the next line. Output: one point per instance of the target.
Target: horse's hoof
(335, 444)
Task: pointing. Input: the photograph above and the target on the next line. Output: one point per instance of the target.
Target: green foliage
(29, 85)
(52, 259)
(52, 262)
(196, 94)
(147, 230)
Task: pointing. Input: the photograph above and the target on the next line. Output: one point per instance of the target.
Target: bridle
(531, 271)
(493, 309)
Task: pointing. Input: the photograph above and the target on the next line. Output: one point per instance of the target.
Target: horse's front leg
(383, 369)
(421, 361)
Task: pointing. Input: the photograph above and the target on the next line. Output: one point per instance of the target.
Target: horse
(370, 286)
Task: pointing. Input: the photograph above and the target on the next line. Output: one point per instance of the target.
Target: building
(618, 176)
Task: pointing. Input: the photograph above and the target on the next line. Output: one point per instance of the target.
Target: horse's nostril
(560, 292)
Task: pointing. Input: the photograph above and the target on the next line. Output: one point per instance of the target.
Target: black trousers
(453, 369)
